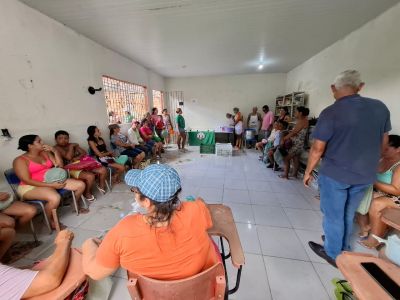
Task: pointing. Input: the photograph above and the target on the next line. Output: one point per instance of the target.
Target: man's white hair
(351, 78)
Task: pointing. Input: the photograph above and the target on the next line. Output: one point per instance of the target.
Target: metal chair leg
(46, 219)
(109, 186)
(33, 232)
(85, 205)
(75, 203)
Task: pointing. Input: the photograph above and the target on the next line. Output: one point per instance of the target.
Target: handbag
(122, 159)
(85, 164)
(156, 138)
(365, 203)
(107, 159)
(55, 175)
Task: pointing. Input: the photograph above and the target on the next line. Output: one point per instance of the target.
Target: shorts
(131, 152)
(23, 189)
(150, 143)
(75, 173)
(15, 282)
(181, 130)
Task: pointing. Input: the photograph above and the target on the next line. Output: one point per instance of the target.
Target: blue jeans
(339, 202)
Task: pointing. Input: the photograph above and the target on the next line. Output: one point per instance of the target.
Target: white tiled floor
(275, 219)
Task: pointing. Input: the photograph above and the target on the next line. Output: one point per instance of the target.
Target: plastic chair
(73, 278)
(14, 181)
(209, 284)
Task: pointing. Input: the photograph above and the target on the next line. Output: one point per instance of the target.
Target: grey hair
(350, 78)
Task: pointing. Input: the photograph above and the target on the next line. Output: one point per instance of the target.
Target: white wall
(208, 99)
(45, 71)
(373, 49)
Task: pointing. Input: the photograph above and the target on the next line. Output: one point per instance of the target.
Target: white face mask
(137, 208)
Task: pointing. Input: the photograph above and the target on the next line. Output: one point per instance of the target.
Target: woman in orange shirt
(166, 240)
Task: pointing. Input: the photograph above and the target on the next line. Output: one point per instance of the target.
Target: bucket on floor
(250, 134)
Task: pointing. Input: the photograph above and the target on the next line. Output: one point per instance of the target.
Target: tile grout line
(315, 270)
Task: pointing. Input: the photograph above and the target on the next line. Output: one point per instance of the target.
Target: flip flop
(91, 199)
(19, 250)
(83, 211)
(365, 246)
(103, 191)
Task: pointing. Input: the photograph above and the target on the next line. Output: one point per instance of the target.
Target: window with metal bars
(125, 101)
(158, 100)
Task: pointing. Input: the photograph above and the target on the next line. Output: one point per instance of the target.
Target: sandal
(103, 191)
(361, 242)
(91, 199)
(83, 211)
(283, 176)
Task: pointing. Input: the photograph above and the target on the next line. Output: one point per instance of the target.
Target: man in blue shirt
(349, 137)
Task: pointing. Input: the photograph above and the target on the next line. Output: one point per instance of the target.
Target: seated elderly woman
(388, 191)
(12, 214)
(32, 167)
(121, 146)
(20, 284)
(166, 240)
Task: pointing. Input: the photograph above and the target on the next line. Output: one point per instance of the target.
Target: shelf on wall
(290, 101)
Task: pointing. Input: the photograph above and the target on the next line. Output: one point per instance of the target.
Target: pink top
(36, 170)
(145, 131)
(268, 119)
(154, 119)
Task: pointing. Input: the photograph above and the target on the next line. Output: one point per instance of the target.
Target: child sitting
(72, 152)
(280, 127)
(273, 140)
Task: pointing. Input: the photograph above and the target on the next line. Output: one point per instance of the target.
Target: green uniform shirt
(180, 121)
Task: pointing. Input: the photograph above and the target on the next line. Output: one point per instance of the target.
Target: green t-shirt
(180, 121)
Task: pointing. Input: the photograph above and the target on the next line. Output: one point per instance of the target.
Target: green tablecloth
(201, 137)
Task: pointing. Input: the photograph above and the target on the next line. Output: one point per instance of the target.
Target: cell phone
(387, 283)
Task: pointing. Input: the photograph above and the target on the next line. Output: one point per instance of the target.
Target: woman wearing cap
(166, 240)
(31, 168)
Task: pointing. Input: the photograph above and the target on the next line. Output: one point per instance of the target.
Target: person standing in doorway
(180, 123)
(267, 122)
(349, 136)
(254, 122)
